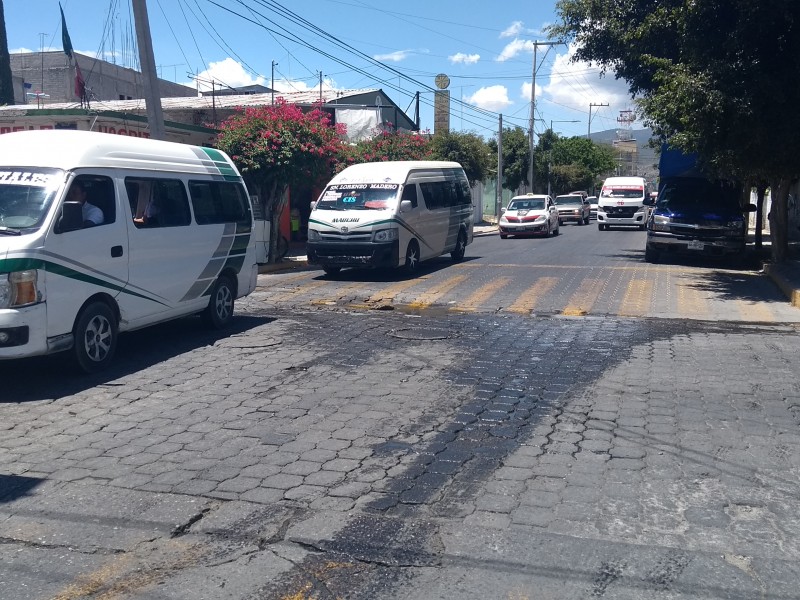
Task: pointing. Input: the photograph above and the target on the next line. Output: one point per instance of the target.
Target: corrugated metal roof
(202, 102)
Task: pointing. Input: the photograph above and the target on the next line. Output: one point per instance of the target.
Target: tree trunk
(761, 190)
(779, 218)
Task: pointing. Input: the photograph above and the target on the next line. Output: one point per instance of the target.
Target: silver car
(529, 215)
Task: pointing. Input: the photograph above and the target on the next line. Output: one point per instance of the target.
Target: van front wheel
(412, 257)
(461, 247)
(219, 312)
(95, 335)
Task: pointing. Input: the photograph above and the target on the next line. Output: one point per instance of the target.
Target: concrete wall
(104, 80)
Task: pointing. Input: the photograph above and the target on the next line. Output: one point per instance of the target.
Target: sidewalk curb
(787, 278)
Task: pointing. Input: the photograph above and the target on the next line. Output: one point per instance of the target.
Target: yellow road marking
(526, 302)
(341, 292)
(691, 301)
(755, 311)
(584, 298)
(438, 290)
(387, 294)
(293, 293)
(482, 294)
(636, 302)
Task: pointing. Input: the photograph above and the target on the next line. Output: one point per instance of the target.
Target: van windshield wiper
(9, 231)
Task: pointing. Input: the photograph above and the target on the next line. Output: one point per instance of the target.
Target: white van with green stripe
(175, 239)
(391, 214)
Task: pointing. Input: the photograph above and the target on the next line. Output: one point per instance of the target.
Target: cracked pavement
(379, 455)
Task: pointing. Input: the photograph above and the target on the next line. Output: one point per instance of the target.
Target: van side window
(158, 202)
(97, 197)
(434, 193)
(410, 194)
(219, 202)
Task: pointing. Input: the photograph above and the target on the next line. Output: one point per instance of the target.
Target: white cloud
(465, 59)
(514, 48)
(525, 91)
(397, 56)
(494, 98)
(224, 73)
(512, 30)
(576, 85)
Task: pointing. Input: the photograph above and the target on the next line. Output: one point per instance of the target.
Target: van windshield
(25, 197)
(359, 196)
(622, 191)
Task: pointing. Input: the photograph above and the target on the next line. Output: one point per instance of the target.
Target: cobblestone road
(377, 455)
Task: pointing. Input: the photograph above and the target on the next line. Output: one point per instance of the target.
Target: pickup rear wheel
(651, 255)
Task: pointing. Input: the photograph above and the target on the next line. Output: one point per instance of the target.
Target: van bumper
(23, 331)
(348, 254)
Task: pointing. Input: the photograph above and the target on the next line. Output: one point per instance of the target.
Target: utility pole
(533, 108)
(591, 106)
(499, 195)
(272, 85)
(152, 93)
(320, 87)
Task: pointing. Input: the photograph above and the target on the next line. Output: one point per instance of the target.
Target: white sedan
(529, 215)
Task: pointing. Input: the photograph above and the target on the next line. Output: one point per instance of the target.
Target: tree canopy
(716, 77)
(516, 157)
(468, 149)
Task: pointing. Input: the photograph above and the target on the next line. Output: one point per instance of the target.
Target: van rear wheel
(219, 312)
(95, 334)
(461, 247)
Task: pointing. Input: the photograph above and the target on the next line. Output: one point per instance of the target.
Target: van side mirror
(649, 201)
(503, 210)
(313, 204)
(71, 217)
(405, 205)
(751, 208)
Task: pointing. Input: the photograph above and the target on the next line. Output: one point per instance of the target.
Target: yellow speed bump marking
(636, 302)
(297, 291)
(437, 291)
(341, 293)
(482, 294)
(691, 302)
(527, 301)
(584, 298)
(387, 294)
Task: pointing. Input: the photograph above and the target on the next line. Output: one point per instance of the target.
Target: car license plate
(695, 245)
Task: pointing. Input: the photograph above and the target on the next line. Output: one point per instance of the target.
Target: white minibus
(101, 233)
(391, 214)
(621, 202)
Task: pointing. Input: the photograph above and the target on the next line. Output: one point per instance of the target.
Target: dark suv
(573, 207)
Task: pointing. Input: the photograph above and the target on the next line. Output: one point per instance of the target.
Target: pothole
(420, 333)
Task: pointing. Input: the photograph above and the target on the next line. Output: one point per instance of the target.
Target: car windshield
(566, 200)
(622, 192)
(359, 196)
(25, 197)
(533, 204)
(698, 193)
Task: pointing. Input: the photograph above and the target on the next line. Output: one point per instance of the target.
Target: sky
(485, 48)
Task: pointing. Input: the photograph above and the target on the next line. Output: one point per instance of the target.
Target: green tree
(714, 77)
(277, 146)
(383, 146)
(573, 163)
(516, 157)
(6, 81)
(468, 149)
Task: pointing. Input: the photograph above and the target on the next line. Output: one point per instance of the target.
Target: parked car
(529, 215)
(592, 206)
(573, 207)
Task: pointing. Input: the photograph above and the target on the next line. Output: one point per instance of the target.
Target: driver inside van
(92, 215)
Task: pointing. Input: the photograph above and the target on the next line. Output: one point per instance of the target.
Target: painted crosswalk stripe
(438, 290)
(475, 300)
(584, 298)
(526, 302)
(638, 295)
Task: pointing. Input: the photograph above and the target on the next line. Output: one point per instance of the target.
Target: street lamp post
(551, 152)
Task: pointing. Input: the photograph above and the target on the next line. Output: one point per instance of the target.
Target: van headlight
(313, 235)
(385, 235)
(20, 288)
(660, 223)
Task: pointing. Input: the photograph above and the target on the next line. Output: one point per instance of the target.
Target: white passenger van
(391, 214)
(621, 202)
(174, 239)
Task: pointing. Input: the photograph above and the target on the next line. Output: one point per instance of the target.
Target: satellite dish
(442, 81)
